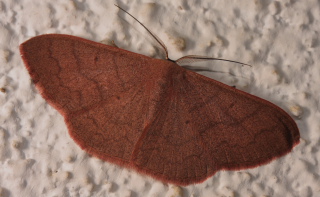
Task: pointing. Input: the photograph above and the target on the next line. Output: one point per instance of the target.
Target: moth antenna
(185, 59)
(201, 69)
(152, 34)
(196, 58)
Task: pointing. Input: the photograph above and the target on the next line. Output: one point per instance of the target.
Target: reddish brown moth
(152, 115)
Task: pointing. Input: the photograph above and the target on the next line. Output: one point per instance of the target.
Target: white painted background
(279, 38)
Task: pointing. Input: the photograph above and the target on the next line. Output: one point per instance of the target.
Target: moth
(152, 115)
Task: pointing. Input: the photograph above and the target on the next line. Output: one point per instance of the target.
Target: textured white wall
(37, 156)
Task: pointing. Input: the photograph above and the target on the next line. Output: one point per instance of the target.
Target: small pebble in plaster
(274, 8)
(177, 41)
(296, 110)
(109, 42)
(69, 159)
(86, 181)
(270, 76)
(61, 176)
(3, 90)
(65, 175)
(311, 41)
(89, 187)
(174, 191)
(157, 189)
(148, 10)
(273, 59)
(218, 42)
(270, 22)
(16, 143)
(245, 176)
(108, 186)
(303, 141)
(274, 179)
(86, 191)
(4, 56)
